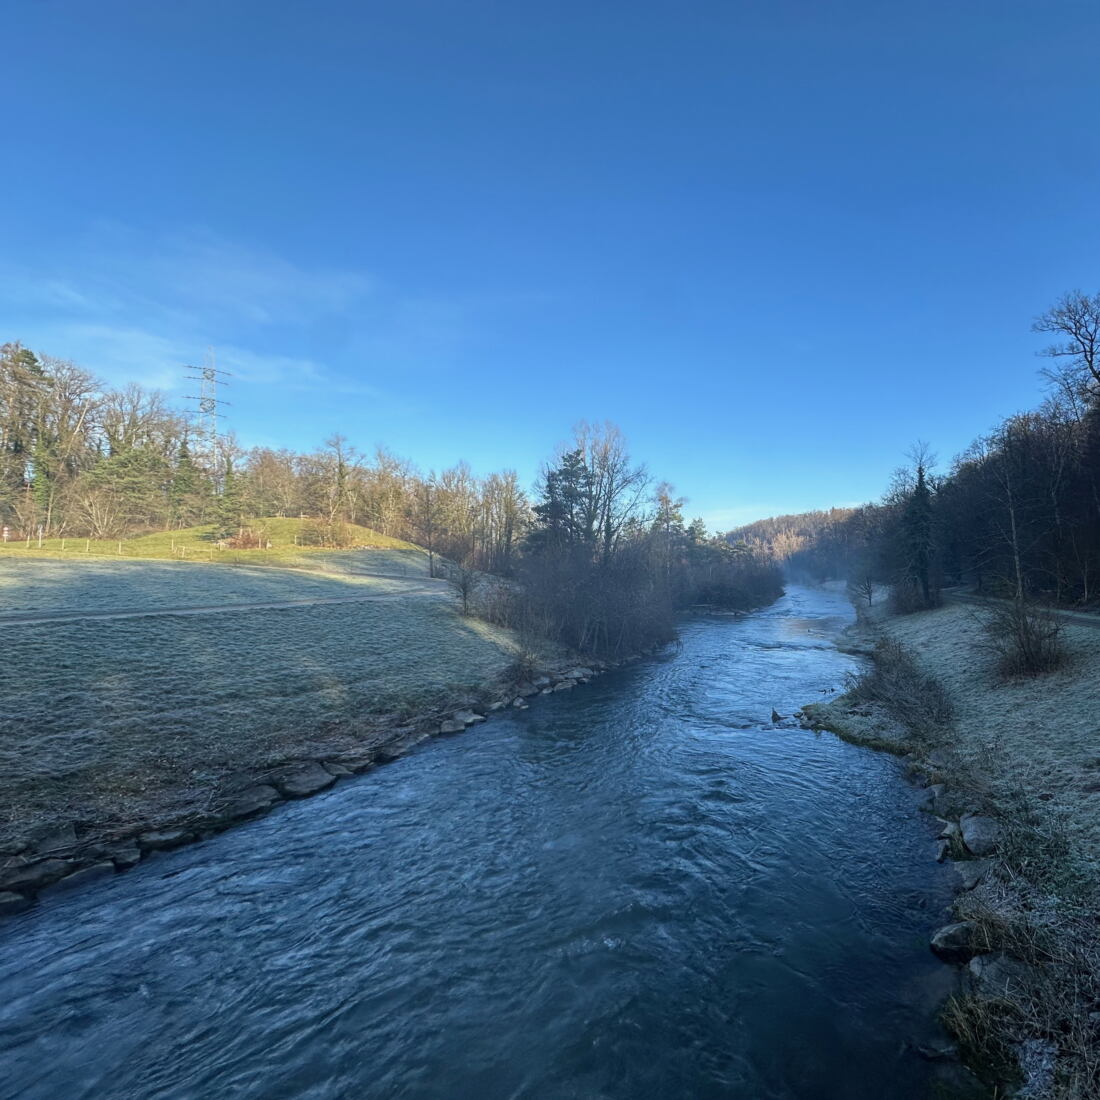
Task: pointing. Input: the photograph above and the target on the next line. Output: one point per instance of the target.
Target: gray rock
(59, 839)
(338, 770)
(252, 801)
(979, 833)
(565, 685)
(546, 691)
(467, 717)
(159, 840)
(969, 872)
(387, 754)
(302, 780)
(84, 876)
(949, 831)
(497, 705)
(998, 976)
(358, 760)
(34, 876)
(955, 942)
(125, 858)
(932, 795)
(452, 725)
(519, 702)
(580, 674)
(541, 682)
(943, 850)
(12, 903)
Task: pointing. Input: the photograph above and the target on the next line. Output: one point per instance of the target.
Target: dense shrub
(318, 532)
(895, 682)
(1026, 639)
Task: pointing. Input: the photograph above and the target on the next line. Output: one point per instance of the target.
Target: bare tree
(1075, 320)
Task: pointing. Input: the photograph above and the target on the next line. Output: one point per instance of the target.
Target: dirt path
(1078, 618)
(29, 618)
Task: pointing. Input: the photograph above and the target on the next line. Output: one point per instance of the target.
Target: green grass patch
(201, 544)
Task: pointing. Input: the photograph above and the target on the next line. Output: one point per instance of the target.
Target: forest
(1017, 513)
(599, 557)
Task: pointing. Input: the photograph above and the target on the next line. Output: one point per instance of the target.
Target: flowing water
(638, 889)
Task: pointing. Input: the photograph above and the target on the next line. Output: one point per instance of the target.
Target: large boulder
(61, 838)
(969, 872)
(954, 943)
(302, 780)
(452, 725)
(979, 833)
(159, 840)
(254, 800)
(85, 875)
(999, 977)
(357, 760)
(126, 856)
(35, 876)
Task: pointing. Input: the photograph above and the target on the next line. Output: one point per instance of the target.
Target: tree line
(1017, 514)
(599, 556)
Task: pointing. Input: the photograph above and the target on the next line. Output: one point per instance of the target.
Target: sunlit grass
(200, 544)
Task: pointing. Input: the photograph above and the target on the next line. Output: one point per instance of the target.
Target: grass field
(101, 719)
(199, 544)
(1038, 738)
(38, 585)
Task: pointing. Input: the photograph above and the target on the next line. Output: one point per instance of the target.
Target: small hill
(282, 541)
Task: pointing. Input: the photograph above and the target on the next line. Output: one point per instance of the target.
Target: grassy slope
(198, 544)
(1039, 738)
(99, 719)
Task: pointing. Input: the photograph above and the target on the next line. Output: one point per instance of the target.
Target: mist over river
(637, 889)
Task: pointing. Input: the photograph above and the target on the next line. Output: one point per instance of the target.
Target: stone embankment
(71, 855)
(1025, 1014)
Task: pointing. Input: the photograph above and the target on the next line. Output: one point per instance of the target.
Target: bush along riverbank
(1024, 932)
(71, 854)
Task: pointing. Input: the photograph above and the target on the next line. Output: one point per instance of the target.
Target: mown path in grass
(64, 616)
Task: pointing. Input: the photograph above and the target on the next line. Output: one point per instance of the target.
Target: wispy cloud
(137, 309)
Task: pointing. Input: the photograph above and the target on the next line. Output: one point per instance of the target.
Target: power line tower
(208, 415)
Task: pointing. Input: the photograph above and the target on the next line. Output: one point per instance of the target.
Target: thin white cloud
(135, 309)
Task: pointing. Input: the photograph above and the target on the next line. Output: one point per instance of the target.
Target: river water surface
(638, 889)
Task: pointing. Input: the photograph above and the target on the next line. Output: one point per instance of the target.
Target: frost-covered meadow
(1033, 738)
(98, 715)
(38, 585)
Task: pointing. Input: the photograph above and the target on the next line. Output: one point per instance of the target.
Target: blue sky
(776, 242)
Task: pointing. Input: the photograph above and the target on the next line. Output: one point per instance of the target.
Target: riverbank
(148, 705)
(1012, 771)
(642, 887)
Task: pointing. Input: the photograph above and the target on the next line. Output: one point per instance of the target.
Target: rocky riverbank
(66, 854)
(1026, 1014)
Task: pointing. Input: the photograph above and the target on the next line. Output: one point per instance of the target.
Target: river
(637, 889)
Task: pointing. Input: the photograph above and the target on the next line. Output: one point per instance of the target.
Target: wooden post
(120, 546)
(87, 546)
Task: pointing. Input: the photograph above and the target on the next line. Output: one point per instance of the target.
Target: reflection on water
(636, 889)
